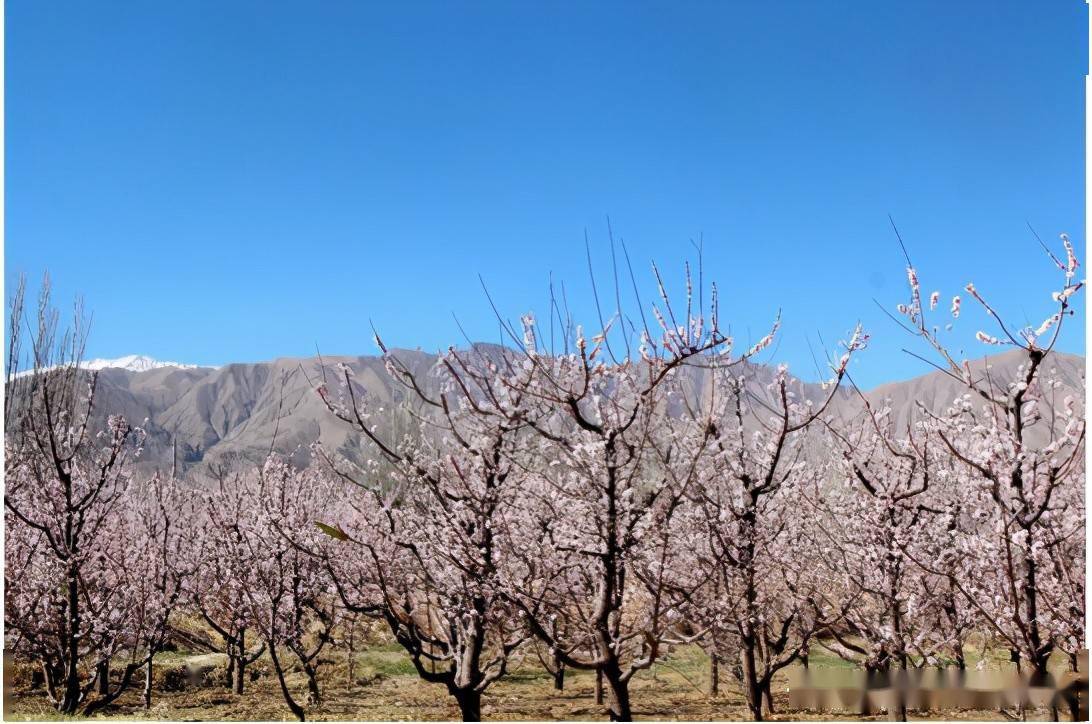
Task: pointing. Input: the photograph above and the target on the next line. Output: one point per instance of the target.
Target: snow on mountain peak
(132, 363)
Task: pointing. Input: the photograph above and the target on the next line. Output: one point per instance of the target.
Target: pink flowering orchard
(421, 546)
(570, 503)
(745, 445)
(95, 571)
(1017, 457)
(546, 361)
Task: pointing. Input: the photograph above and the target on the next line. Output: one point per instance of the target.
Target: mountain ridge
(200, 418)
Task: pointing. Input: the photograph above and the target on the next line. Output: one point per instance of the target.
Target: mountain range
(198, 418)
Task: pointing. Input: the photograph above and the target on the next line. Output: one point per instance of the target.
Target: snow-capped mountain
(133, 363)
(129, 363)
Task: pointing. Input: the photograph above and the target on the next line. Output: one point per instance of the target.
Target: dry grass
(386, 688)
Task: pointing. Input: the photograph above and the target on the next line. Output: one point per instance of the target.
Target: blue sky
(237, 181)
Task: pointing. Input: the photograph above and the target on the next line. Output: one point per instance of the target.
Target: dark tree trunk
(295, 708)
(109, 697)
(70, 701)
(752, 687)
(314, 696)
(1072, 696)
(351, 668)
(102, 678)
(470, 704)
(598, 686)
(229, 675)
(559, 677)
(870, 684)
(1039, 676)
(714, 675)
(618, 697)
(239, 678)
(558, 665)
(900, 682)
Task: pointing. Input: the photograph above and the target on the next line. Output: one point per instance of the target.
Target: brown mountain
(205, 417)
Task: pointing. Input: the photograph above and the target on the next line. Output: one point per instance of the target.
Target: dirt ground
(385, 687)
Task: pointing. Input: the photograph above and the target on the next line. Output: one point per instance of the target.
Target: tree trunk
(102, 678)
(559, 665)
(51, 673)
(618, 697)
(1073, 701)
(598, 686)
(148, 684)
(229, 675)
(714, 675)
(239, 679)
(314, 696)
(109, 697)
(870, 684)
(767, 693)
(70, 702)
(295, 708)
(752, 687)
(470, 704)
(1039, 676)
(350, 673)
(900, 682)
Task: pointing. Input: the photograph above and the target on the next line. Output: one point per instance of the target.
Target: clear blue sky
(236, 181)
